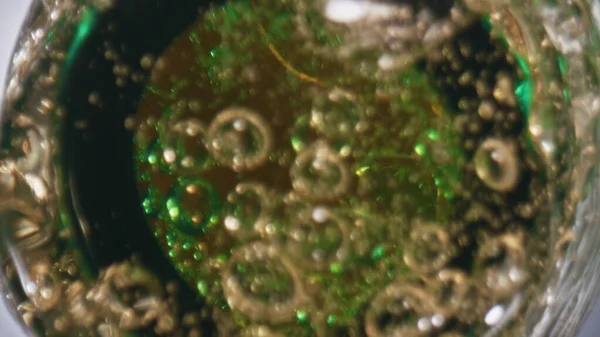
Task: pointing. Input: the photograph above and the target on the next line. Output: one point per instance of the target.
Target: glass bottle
(301, 168)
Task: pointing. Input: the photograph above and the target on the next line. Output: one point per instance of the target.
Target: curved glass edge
(33, 202)
(24, 48)
(28, 184)
(573, 285)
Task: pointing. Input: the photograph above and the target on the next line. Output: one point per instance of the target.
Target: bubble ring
(303, 185)
(480, 213)
(457, 303)
(505, 278)
(259, 227)
(184, 222)
(256, 121)
(414, 298)
(304, 219)
(35, 157)
(274, 313)
(444, 253)
(508, 180)
(173, 133)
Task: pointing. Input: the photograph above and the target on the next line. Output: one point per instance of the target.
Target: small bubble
(494, 316)
(130, 123)
(486, 110)
(496, 164)
(169, 155)
(194, 105)
(81, 124)
(424, 324)
(147, 61)
(121, 82)
(504, 92)
(94, 98)
(232, 224)
(320, 214)
(111, 55)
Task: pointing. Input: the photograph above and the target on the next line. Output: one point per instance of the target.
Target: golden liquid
(303, 191)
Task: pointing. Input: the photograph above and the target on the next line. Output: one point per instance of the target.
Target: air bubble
(486, 110)
(28, 146)
(247, 210)
(184, 147)
(262, 284)
(457, 294)
(484, 6)
(430, 250)
(259, 331)
(399, 310)
(496, 164)
(503, 260)
(240, 138)
(47, 292)
(193, 205)
(318, 237)
(319, 173)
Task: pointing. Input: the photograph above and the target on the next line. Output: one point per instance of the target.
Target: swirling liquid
(344, 168)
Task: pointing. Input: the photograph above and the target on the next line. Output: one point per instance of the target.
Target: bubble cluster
(184, 147)
(374, 182)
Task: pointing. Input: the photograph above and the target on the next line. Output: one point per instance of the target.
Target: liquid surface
(329, 170)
